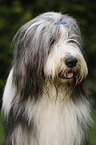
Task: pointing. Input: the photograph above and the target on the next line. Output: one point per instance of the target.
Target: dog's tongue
(68, 75)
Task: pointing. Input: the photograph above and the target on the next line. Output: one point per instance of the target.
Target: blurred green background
(15, 13)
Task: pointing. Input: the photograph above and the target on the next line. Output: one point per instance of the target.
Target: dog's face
(44, 50)
(66, 62)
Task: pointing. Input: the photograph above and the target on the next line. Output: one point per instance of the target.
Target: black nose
(71, 61)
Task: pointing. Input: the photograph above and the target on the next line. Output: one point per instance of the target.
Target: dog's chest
(56, 123)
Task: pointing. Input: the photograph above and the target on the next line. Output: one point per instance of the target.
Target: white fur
(9, 93)
(55, 61)
(56, 122)
(57, 119)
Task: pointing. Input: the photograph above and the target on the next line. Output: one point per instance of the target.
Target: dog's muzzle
(70, 63)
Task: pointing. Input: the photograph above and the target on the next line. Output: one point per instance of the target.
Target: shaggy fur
(45, 98)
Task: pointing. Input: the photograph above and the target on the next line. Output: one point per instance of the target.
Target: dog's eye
(52, 41)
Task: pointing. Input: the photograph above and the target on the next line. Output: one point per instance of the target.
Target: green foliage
(1, 132)
(92, 130)
(11, 18)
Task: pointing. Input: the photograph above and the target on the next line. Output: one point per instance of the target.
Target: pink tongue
(68, 75)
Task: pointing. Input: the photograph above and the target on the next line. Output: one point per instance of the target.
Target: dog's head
(66, 62)
(44, 49)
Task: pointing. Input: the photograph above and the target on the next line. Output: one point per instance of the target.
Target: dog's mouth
(67, 75)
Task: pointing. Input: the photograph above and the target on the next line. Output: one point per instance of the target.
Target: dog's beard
(67, 80)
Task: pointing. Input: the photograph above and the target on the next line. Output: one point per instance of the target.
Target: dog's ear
(28, 64)
(34, 77)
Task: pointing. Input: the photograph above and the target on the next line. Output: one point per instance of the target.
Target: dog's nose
(71, 61)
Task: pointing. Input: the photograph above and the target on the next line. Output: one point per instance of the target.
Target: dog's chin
(64, 78)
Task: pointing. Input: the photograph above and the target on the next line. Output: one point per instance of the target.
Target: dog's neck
(57, 91)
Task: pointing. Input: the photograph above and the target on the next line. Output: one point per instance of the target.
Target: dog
(45, 101)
